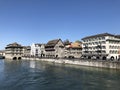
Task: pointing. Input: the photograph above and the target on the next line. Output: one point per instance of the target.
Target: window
(111, 51)
(96, 42)
(110, 46)
(103, 47)
(109, 41)
(37, 51)
(99, 38)
(103, 38)
(103, 42)
(103, 51)
(116, 52)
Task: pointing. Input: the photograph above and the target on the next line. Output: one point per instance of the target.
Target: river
(37, 75)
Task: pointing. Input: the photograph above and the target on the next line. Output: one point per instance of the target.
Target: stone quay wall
(93, 63)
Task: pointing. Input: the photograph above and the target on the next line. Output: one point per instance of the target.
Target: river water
(37, 75)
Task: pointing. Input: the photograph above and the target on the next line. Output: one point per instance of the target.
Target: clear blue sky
(28, 21)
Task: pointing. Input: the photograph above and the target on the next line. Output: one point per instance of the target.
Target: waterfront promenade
(82, 62)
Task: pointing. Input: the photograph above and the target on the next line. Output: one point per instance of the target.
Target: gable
(59, 43)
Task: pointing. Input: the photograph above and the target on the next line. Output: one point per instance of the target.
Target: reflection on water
(36, 75)
(32, 64)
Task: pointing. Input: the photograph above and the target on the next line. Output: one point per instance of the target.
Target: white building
(37, 50)
(101, 46)
(2, 52)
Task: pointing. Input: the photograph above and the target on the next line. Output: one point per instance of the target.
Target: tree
(78, 41)
(66, 42)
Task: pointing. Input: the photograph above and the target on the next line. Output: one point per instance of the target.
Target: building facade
(38, 50)
(73, 50)
(2, 52)
(26, 50)
(101, 46)
(13, 51)
(55, 49)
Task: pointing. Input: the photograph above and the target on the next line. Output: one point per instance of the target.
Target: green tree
(78, 41)
(66, 42)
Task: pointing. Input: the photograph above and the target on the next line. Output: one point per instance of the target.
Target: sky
(38, 21)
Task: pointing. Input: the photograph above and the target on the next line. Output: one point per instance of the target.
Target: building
(55, 49)
(101, 46)
(38, 50)
(26, 50)
(73, 50)
(2, 52)
(119, 54)
(13, 51)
